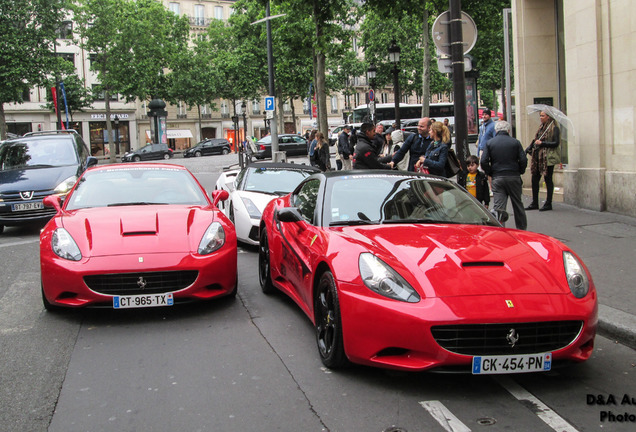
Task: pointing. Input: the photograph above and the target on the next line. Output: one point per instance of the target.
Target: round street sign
(441, 33)
(371, 95)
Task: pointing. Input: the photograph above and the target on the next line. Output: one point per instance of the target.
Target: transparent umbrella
(564, 123)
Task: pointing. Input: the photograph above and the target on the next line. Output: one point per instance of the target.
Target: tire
(264, 271)
(225, 151)
(329, 323)
(136, 158)
(233, 293)
(1, 229)
(166, 156)
(197, 154)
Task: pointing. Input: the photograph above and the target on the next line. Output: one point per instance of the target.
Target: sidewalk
(607, 244)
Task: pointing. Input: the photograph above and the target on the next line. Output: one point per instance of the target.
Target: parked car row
(395, 270)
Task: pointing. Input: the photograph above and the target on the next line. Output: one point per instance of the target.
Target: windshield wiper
(352, 222)
(416, 221)
(134, 203)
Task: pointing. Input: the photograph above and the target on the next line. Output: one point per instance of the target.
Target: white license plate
(489, 365)
(27, 206)
(143, 300)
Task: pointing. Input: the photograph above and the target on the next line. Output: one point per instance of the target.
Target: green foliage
(78, 96)
(27, 37)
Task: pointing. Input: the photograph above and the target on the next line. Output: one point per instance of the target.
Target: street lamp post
(394, 57)
(371, 74)
(245, 146)
(116, 120)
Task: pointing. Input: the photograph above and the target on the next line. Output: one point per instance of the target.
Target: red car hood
(467, 259)
(137, 230)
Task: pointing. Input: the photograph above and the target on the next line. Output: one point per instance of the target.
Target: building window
(384, 98)
(334, 104)
(66, 30)
(174, 8)
(218, 12)
(26, 95)
(69, 57)
(225, 109)
(256, 107)
(358, 99)
(199, 15)
(287, 107)
(306, 105)
(99, 93)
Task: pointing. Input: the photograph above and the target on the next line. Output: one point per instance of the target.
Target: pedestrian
(505, 161)
(312, 147)
(353, 140)
(448, 125)
(321, 153)
(486, 131)
(433, 160)
(544, 155)
(343, 147)
(475, 181)
(415, 145)
(366, 154)
(379, 140)
(387, 148)
(398, 141)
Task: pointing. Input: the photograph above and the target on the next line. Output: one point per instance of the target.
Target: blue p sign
(269, 103)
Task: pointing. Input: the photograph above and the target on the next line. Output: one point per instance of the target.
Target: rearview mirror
(219, 195)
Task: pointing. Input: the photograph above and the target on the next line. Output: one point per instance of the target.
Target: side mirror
(54, 201)
(91, 161)
(219, 195)
(289, 214)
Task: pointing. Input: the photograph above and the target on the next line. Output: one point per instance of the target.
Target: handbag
(452, 166)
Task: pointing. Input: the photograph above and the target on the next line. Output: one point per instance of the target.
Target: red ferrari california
(407, 271)
(138, 235)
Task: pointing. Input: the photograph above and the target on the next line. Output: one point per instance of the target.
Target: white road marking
(544, 412)
(444, 417)
(21, 305)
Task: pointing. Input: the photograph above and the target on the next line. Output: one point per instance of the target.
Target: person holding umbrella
(544, 156)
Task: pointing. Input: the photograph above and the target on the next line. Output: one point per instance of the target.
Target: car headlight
(575, 273)
(382, 279)
(65, 186)
(213, 239)
(252, 210)
(64, 246)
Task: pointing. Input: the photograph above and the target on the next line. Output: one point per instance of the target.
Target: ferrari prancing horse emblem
(510, 304)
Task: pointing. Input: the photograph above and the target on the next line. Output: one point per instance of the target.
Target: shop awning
(176, 133)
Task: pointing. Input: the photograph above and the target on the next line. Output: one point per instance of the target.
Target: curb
(617, 325)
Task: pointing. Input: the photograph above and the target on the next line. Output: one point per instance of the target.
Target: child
(475, 182)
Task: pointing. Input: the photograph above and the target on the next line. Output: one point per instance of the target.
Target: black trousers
(549, 184)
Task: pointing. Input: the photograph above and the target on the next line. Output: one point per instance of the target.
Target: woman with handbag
(544, 156)
(434, 160)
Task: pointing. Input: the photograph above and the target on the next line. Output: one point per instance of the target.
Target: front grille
(28, 214)
(141, 283)
(492, 339)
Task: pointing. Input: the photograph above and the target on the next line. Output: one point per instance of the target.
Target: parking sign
(269, 103)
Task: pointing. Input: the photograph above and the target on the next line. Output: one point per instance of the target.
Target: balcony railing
(199, 21)
(225, 115)
(182, 116)
(206, 116)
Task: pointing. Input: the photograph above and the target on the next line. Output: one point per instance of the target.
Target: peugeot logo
(26, 195)
(141, 283)
(512, 337)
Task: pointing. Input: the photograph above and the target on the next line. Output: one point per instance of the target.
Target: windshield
(386, 199)
(136, 186)
(280, 181)
(37, 153)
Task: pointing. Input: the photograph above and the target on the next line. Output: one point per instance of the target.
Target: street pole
(272, 89)
(459, 84)
(507, 12)
(394, 57)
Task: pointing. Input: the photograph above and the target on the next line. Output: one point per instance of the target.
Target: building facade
(577, 54)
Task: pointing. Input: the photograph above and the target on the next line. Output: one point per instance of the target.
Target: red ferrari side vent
(483, 264)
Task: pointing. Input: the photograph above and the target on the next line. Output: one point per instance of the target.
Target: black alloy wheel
(166, 156)
(197, 154)
(264, 273)
(225, 150)
(329, 323)
(136, 158)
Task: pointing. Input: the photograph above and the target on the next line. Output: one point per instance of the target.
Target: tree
(134, 44)
(27, 37)
(78, 96)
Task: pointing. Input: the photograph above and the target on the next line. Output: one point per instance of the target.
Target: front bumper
(396, 335)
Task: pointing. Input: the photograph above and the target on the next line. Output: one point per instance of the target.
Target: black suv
(35, 166)
(147, 152)
(291, 144)
(208, 147)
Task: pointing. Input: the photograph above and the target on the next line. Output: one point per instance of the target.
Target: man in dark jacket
(415, 145)
(366, 155)
(505, 161)
(343, 147)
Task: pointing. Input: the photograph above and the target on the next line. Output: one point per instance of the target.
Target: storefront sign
(112, 116)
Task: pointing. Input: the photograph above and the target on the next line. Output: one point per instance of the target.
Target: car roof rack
(66, 131)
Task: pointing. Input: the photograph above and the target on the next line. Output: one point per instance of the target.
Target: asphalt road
(251, 364)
